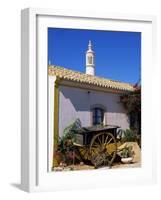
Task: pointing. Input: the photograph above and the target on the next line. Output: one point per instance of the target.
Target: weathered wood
(97, 144)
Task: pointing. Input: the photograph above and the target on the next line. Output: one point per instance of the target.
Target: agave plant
(129, 136)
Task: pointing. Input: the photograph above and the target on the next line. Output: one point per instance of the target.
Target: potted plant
(127, 154)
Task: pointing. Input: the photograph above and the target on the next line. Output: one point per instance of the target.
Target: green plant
(132, 103)
(127, 152)
(66, 149)
(129, 136)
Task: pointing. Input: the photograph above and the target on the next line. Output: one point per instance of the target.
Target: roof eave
(80, 85)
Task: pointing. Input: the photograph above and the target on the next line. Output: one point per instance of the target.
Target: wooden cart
(97, 144)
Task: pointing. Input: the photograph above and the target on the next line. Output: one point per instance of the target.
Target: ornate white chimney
(90, 64)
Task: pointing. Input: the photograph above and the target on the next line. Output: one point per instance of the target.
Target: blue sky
(117, 54)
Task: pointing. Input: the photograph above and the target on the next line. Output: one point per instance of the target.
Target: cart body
(84, 135)
(97, 143)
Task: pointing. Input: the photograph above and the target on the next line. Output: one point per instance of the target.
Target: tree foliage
(132, 101)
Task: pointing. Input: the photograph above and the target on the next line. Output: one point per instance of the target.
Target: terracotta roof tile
(71, 75)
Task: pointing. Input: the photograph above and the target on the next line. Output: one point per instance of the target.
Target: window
(98, 116)
(90, 60)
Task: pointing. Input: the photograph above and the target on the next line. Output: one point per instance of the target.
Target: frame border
(29, 84)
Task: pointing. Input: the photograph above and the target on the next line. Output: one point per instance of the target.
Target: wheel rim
(103, 149)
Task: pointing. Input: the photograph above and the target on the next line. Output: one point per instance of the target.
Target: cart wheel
(103, 149)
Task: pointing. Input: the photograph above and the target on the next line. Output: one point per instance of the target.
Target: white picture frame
(36, 141)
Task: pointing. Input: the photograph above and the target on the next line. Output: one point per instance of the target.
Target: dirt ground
(89, 167)
(131, 165)
(136, 163)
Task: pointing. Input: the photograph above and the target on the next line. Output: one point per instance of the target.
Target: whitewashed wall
(75, 103)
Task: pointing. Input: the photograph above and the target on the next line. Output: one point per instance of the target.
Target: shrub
(66, 149)
(129, 136)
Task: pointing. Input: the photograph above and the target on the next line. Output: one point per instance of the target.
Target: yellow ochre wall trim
(56, 121)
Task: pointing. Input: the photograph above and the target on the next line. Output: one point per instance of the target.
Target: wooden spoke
(106, 139)
(99, 140)
(109, 141)
(96, 144)
(103, 138)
